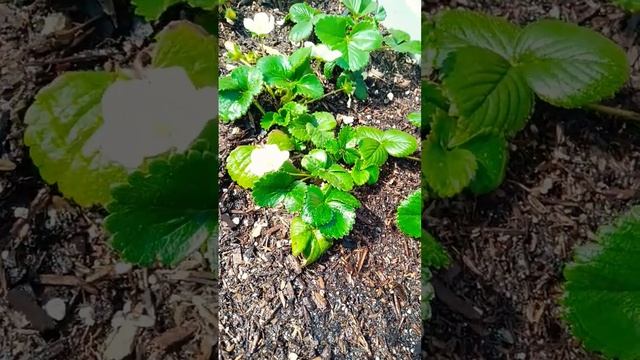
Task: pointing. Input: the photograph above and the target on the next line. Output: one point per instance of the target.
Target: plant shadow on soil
(361, 299)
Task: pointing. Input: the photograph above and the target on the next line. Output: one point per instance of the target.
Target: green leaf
(304, 16)
(456, 29)
(184, 44)
(373, 152)
(432, 101)
(399, 143)
(355, 44)
(237, 164)
(629, 5)
(491, 155)
(168, 212)
(447, 172)
(307, 241)
(278, 137)
(337, 176)
(332, 211)
(315, 211)
(360, 7)
(276, 70)
(65, 114)
(315, 160)
(153, 9)
(415, 118)
(352, 83)
(489, 94)
(400, 41)
(237, 91)
(310, 87)
(432, 253)
(602, 292)
(409, 215)
(279, 187)
(568, 65)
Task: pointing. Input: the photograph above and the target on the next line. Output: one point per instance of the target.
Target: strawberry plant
(488, 74)
(601, 295)
(308, 164)
(141, 141)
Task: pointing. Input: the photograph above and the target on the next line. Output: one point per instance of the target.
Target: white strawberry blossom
(261, 24)
(322, 51)
(146, 117)
(267, 158)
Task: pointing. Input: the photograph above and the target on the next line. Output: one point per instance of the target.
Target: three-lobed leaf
(304, 16)
(237, 91)
(354, 41)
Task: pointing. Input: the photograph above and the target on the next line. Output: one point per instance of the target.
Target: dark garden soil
(51, 248)
(360, 300)
(570, 172)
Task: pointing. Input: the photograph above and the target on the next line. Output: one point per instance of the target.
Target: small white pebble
(292, 356)
(280, 22)
(153, 279)
(5, 255)
(21, 212)
(122, 268)
(390, 96)
(87, 315)
(235, 130)
(236, 220)
(56, 308)
(346, 119)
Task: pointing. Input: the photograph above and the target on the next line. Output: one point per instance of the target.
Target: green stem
(258, 106)
(323, 96)
(270, 91)
(302, 175)
(615, 112)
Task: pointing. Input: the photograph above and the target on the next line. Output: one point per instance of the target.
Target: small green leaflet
(409, 215)
(291, 73)
(432, 252)
(153, 9)
(237, 91)
(168, 212)
(354, 42)
(447, 172)
(304, 16)
(602, 290)
(280, 187)
(278, 137)
(376, 145)
(59, 123)
(360, 7)
(400, 41)
(307, 241)
(237, 166)
(490, 152)
(415, 118)
(455, 29)
(330, 210)
(488, 93)
(573, 66)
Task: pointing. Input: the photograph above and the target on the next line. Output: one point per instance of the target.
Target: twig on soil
(323, 96)
(615, 112)
(413, 158)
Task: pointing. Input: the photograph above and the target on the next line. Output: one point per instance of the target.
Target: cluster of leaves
(602, 290)
(314, 185)
(166, 207)
(355, 35)
(488, 72)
